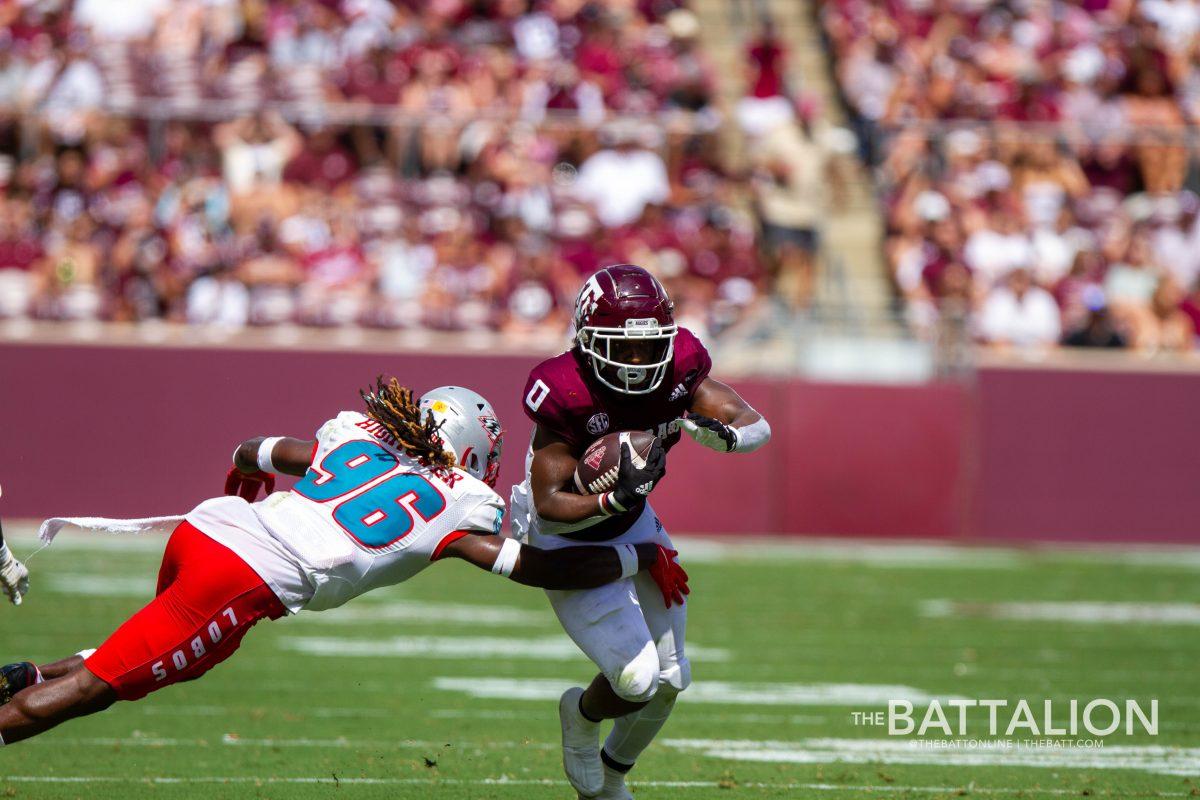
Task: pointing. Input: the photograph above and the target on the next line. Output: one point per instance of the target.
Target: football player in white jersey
(383, 495)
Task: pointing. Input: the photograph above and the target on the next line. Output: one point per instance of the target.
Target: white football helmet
(470, 429)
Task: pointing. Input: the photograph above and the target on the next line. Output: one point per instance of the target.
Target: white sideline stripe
(883, 555)
(550, 648)
(418, 611)
(506, 781)
(100, 585)
(771, 694)
(1146, 758)
(1086, 612)
(874, 552)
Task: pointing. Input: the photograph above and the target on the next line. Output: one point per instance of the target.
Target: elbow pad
(752, 437)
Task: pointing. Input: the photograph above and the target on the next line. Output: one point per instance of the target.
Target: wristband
(751, 437)
(609, 505)
(629, 560)
(507, 558)
(264, 453)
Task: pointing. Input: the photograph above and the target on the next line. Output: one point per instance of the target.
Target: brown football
(597, 469)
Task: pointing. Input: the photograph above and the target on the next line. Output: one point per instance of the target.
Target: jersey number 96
(381, 515)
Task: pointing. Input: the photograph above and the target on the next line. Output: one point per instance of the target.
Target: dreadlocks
(393, 407)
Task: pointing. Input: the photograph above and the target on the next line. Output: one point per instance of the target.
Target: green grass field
(379, 699)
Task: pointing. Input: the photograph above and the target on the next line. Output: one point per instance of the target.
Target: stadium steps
(854, 284)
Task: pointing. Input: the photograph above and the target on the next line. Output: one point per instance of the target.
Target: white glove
(713, 434)
(14, 578)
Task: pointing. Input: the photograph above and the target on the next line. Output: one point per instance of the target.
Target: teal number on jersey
(383, 514)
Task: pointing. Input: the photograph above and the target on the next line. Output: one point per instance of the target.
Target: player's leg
(207, 602)
(15, 677)
(39, 708)
(609, 628)
(632, 734)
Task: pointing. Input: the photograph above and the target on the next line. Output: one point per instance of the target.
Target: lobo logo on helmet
(598, 424)
(492, 426)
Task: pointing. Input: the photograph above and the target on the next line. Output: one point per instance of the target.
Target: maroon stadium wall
(1025, 454)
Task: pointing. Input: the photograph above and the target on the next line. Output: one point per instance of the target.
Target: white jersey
(366, 515)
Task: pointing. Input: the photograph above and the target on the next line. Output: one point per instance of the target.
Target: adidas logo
(679, 391)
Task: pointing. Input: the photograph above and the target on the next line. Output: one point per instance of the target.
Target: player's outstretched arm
(583, 567)
(721, 420)
(278, 454)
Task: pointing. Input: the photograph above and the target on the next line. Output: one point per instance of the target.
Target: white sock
(613, 779)
(633, 733)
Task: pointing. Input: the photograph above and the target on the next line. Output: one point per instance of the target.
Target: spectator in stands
(1099, 329)
(793, 170)
(1016, 312)
(765, 104)
(626, 175)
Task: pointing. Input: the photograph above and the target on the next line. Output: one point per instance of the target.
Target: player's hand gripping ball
(246, 485)
(671, 578)
(627, 463)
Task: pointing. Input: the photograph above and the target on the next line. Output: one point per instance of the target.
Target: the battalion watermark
(1004, 724)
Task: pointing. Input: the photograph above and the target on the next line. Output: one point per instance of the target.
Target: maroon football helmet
(625, 326)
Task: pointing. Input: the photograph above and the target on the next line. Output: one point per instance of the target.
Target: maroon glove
(245, 485)
(670, 577)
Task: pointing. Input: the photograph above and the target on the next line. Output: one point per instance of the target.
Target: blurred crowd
(506, 167)
(1072, 215)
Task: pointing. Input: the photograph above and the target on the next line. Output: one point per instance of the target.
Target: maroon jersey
(564, 397)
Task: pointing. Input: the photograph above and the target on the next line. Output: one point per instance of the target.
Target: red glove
(670, 577)
(245, 485)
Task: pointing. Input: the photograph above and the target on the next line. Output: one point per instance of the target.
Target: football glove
(14, 578)
(633, 482)
(246, 484)
(713, 434)
(670, 577)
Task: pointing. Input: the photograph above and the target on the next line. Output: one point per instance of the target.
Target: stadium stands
(1072, 213)
(442, 165)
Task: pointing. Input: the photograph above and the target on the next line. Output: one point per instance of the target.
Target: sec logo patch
(598, 424)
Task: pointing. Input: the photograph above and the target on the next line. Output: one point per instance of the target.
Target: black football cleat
(15, 677)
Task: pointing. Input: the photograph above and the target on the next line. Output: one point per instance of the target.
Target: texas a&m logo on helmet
(625, 326)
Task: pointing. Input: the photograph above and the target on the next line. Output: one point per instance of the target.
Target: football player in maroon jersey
(630, 368)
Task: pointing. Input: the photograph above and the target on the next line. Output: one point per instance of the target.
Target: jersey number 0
(383, 514)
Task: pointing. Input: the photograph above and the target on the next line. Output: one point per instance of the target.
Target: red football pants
(207, 599)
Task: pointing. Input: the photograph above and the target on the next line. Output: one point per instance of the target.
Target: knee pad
(638, 680)
(676, 677)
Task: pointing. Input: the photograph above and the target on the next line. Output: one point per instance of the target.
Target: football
(597, 468)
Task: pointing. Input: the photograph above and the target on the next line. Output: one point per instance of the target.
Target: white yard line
(721, 692)
(1084, 612)
(325, 712)
(726, 787)
(1145, 758)
(234, 740)
(419, 611)
(549, 648)
(100, 585)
